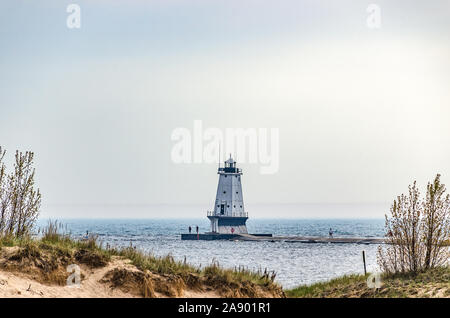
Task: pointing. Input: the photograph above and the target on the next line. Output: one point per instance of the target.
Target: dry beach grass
(430, 283)
(38, 268)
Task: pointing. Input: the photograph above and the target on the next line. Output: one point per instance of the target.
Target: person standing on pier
(331, 232)
(190, 229)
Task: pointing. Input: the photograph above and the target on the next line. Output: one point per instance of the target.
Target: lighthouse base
(228, 224)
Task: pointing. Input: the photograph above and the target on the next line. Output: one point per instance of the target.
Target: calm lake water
(294, 263)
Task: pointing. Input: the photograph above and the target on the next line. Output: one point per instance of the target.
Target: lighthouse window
(241, 206)
(234, 206)
(224, 192)
(237, 192)
(228, 206)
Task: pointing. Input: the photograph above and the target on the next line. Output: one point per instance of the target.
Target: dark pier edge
(217, 236)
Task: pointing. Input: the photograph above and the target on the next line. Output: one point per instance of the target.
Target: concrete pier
(318, 239)
(287, 239)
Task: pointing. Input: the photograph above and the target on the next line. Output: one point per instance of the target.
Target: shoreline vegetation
(125, 272)
(414, 261)
(426, 284)
(39, 268)
(415, 258)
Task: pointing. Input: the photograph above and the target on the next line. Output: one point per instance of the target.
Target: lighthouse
(228, 215)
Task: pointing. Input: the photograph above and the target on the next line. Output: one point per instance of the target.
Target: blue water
(294, 263)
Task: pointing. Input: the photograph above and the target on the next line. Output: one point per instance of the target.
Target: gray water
(294, 263)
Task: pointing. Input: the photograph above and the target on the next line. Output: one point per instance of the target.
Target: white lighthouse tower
(228, 215)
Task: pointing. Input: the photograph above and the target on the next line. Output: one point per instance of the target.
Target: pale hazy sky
(361, 112)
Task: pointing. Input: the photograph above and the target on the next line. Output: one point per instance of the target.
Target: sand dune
(42, 271)
(15, 284)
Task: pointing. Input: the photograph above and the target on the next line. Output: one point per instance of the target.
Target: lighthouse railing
(235, 214)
